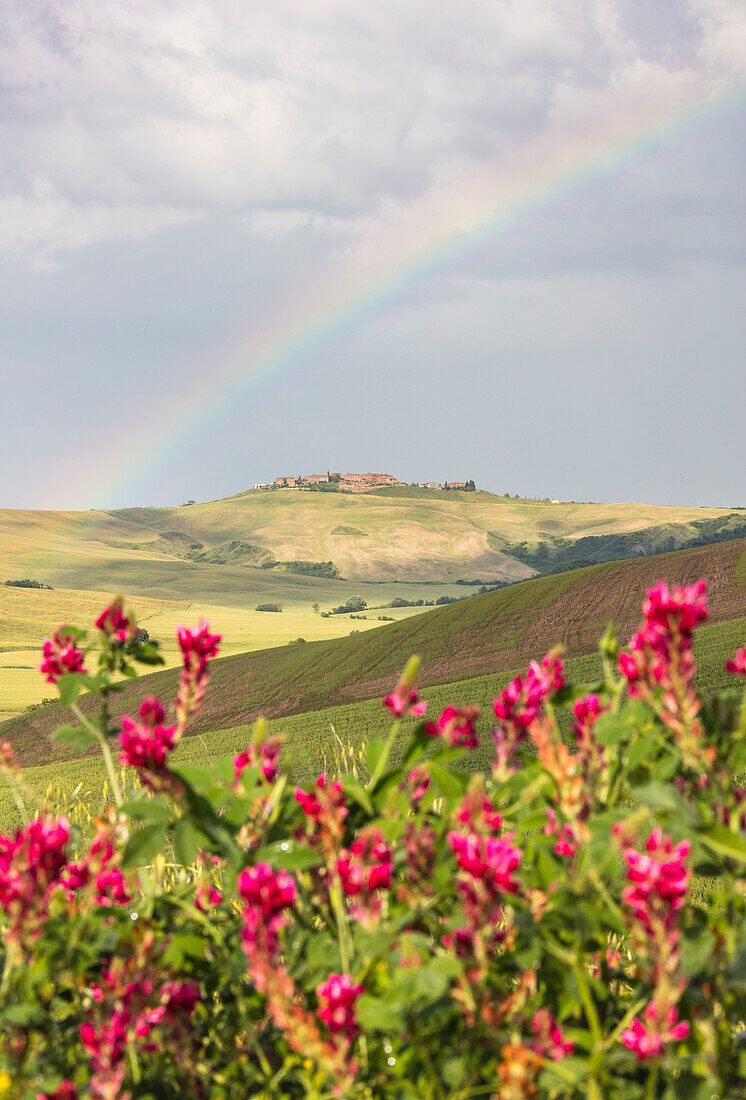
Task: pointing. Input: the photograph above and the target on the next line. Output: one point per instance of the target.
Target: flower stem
(100, 736)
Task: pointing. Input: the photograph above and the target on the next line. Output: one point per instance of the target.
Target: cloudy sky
(499, 239)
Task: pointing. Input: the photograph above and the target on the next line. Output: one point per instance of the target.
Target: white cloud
(132, 115)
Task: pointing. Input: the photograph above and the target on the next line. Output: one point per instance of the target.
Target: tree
(315, 606)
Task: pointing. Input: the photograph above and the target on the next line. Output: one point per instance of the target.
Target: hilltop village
(357, 483)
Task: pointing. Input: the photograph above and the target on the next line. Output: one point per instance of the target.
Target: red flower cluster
(681, 610)
(549, 1042)
(487, 863)
(115, 623)
(404, 700)
(198, 646)
(66, 1091)
(336, 997)
(567, 842)
(147, 744)
(264, 756)
(364, 871)
(325, 812)
(60, 656)
(31, 865)
(129, 1010)
(658, 883)
(418, 784)
(457, 726)
(268, 894)
(99, 867)
(737, 664)
(518, 707)
(661, 657)
(649, 1040)
(492, 860)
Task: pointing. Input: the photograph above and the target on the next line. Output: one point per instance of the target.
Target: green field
(333, 737)
(203, 560)
(27, 615)
(485, 635)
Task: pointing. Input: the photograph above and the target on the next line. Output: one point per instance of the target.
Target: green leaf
(289, 855)
(724, 842)
(378, 1015)
(188, 840)
(147, 654)
(24, 1015)
(663, 797)
(641, 749)
(201, 780)
(374, 753)
(418, 744)
(357, 793)
(70, 686)
(144, 845)
(149, 809)
(611, 729)
(77, 737)
(451, 784)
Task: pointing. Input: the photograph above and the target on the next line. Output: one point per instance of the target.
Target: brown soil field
(491, 633)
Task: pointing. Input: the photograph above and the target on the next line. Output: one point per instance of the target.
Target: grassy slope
(397, 534)
(334, 738)
(485, 635)
(27, 615)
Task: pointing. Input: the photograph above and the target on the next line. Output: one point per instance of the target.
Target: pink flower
(367, 865)
(147, 747)
(684, 608)
(115, 623)
(60, 656)
(737, 665)
(364, 871)
(325, 813)
(648, 1040)
(587, 711)
(405, 700)
(263, 756)
(457, 726)
(550, 1042)
(492, 860)
(418, 784)
(66, 1091)
(660, 666)
(268, 894)
(198, 646)
(31, 866)
(566, 841)
(99, 866)
(337, 996)
(518, 707)
(658, 880)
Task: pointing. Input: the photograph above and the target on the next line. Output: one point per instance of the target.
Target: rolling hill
(488, 634)
(299, 549)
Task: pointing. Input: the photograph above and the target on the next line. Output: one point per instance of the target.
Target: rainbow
(255, 359)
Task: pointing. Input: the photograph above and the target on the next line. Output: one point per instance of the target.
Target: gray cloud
(178, 171)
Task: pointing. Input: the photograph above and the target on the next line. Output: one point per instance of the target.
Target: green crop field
(27, 615)
(486, 635)
(334, 737)
(204, 560)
